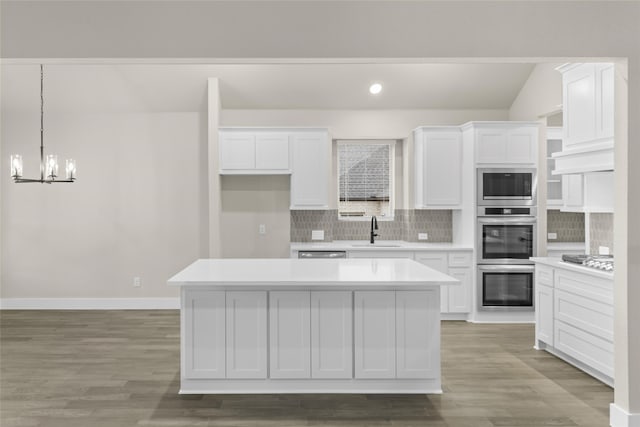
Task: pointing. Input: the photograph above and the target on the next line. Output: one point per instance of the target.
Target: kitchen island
(310, 326)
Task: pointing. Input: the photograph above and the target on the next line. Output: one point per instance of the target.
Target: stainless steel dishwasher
(322, 254)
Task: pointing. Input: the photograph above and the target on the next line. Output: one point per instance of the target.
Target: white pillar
(625, 411)
(213, 120)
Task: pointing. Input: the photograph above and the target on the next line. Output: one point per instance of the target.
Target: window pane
(364, 179)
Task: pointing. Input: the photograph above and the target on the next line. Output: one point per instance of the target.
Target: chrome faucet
(374, 226)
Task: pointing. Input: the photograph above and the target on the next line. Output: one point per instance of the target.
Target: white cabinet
(588, 118)
(588, 103)
(375, 334)
(204, 329)
(554, 182)
(311, 170)
(331, 334)
(453, 298)
(380, 254)
(253, 152)
(574, 317)
(438, 168)
(289, 334)
(246, 334)
(588, 192)
(505, 143)
(417, 332)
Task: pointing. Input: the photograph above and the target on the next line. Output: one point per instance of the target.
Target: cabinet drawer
(588, 286)
(595, 317)
(459, 259)
(585, 347)
(436, 260)
(544, 275)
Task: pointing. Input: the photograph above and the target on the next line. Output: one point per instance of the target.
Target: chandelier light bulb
(71, 169)
(51, 166)
(16, 166)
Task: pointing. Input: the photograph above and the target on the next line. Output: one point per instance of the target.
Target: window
(365, 184)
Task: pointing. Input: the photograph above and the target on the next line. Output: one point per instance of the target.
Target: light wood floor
(121, 368)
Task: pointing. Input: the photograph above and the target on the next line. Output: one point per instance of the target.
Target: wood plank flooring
(121, 368)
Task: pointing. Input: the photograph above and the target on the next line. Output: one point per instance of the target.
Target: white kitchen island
(310, 326)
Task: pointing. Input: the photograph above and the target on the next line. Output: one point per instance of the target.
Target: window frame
(392, 184)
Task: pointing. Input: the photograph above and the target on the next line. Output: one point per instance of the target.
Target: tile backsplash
(569, 226)
(600, 232)
(405, 225)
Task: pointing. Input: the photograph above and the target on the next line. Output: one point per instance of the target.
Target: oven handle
(508, 268)
(510, 221)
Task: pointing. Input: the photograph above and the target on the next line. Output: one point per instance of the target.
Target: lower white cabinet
(289, 338)
(246, 334)
(417, 333)
(375, 334)
(331, 334)
(204, 308)
(453, 298)
(574, 317)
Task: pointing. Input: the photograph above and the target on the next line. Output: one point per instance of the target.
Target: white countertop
(380, 245)
(558, 263)
(286, 272)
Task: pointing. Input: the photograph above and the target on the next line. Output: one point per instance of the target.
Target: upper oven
(507, 187)
(509, 240)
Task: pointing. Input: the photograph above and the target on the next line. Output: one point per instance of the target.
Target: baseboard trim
(618, 417)
(89, 303)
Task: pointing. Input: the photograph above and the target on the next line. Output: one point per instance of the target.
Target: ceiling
(169, 87)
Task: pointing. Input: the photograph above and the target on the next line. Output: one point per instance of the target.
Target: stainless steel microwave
(507, 187)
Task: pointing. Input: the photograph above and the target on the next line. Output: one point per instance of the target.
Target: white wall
(138, 207)
(540, 95)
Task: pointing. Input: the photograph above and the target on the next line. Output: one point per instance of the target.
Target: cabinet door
(289, 334)
(491, 146)
(442, 163)
(459, 298)
(203, 331)
(246, 334)
(375, 334)
(331, 335)
(604, 100)
(310, 170)
(437, 261)
(272, 151)
(572, 193)
(418, 334)
(544, 313)
(579, 92)
(522, 145)
(237, 151)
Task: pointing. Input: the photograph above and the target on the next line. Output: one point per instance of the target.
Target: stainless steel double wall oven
(506, 238)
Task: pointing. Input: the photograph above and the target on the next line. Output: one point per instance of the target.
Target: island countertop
(287, 272)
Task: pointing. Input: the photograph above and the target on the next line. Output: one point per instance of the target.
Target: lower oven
(505, 287)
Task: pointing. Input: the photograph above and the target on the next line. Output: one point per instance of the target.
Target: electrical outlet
(262, 229)
(552, 236)
(317, 234)
(603, 250)
(423, 236)
(137, 282)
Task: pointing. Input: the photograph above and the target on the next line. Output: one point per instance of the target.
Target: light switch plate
(552, 236)
(603, 250)
(423, 236)
(317, 234)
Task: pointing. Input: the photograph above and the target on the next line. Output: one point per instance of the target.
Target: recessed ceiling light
(375, 88)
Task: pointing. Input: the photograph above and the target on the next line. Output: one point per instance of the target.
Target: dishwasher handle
(322, 254)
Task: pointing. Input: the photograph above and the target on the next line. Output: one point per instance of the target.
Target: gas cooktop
(600, 262)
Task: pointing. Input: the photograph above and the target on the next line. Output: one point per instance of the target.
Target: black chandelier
(49, 163)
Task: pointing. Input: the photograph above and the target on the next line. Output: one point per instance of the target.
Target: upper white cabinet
(504, 143)
(253, 152)
(588, 104)
(311, 169)
(588, 192)
(438, 168)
